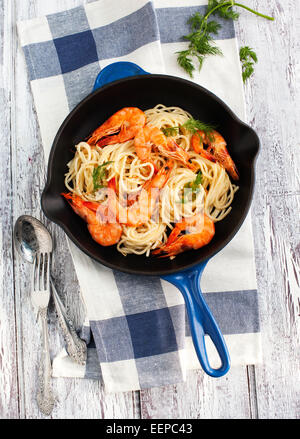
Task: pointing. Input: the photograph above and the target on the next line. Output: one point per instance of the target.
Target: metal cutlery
(40, 296)
(75, 347)
(34, 244)
(31, 237)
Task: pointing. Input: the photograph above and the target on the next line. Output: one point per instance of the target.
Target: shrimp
(139, 213)
(216, 150)
(149, 136)
(96, 216)
(199, 230)
(124, 124)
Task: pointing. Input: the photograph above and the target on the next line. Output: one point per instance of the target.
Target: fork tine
(42, 278)
(39, 272)
(48, 270)
(33, 278)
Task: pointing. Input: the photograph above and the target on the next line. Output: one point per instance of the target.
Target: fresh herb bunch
(248, 57)
(99, 174)
(201, 39)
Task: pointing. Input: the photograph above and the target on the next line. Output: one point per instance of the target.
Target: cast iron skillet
(145, 91)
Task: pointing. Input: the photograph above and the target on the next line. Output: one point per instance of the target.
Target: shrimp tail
(199, 231)
(120, 127)
(216, 150)
(102, 229)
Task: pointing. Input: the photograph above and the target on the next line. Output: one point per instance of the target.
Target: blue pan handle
(201, 319)
(188, 282)
(117, 70)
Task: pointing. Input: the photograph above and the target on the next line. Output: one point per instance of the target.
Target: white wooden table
(270, 390)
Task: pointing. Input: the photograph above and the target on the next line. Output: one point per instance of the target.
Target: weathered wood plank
(9, 399)
(200, 398)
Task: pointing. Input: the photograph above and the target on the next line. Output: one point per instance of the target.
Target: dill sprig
(223, 9)
(191, 125)
(170, 131)
(248, 57)
(194, 125)
(201, 41)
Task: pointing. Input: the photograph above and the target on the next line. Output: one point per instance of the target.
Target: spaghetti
(122, 166)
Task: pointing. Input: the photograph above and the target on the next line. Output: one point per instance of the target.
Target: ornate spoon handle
(45, 396)
(75, 347)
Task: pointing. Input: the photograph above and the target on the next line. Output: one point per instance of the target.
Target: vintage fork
(40, 296)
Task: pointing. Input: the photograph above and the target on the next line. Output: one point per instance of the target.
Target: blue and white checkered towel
(140, 338)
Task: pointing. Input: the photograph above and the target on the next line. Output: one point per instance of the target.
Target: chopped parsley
(194, 186)
(99, 175)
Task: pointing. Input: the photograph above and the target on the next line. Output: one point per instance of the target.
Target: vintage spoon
(29, 237)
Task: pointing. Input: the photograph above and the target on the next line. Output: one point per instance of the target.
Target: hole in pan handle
(201, 319)
(118, 70)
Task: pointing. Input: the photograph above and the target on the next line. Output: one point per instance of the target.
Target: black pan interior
(145, 92)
